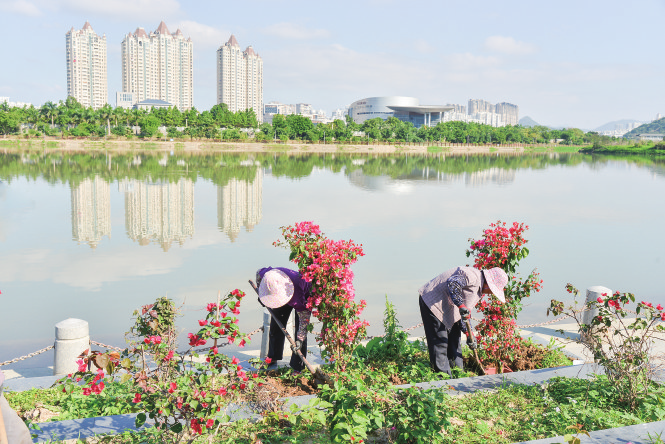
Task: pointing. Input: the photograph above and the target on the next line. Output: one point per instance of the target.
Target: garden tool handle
(475, 350)
(286, 333)
(469, 331)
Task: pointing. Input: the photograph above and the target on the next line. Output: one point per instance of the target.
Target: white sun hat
(496, 280)
(276, 289)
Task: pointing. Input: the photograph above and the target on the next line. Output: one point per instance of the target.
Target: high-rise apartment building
(159, 66)
(509, 112)
(240, 78)
(86, 67)
(480, 106)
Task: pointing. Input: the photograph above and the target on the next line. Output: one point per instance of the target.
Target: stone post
(592, 294)
(266, 334)
(72, 337)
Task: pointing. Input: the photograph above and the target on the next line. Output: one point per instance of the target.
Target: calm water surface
(94, 237)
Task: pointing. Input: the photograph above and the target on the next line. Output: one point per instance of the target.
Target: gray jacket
(436, 297)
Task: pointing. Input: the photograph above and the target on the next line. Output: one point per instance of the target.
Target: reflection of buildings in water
(403, 184)
(91, 211)
(159, 211)
(240, 202)
(498, 176)
(381, 183)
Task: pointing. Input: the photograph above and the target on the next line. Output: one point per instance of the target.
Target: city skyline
(568, 64)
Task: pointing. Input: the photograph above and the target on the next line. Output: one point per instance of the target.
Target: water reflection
(239, 203)
(161, 212)
(91, 211)
(593, 219)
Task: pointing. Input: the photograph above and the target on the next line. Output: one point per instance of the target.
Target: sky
(573, 63)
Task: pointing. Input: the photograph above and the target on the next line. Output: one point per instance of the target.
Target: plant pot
(490, 370)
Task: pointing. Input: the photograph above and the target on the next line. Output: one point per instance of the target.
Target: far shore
(292, 147)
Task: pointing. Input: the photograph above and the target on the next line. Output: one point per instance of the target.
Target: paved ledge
(635, 434)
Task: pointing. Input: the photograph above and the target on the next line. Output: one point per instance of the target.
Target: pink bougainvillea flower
(235, 361)
(268, 360)
(242, 343)
(600, 300)
(659, 307)
(137, 398)
(172, 387)
(82, 365)
(203, 322)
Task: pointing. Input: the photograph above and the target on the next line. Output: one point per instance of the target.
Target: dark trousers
(444, 346)
(276, 338)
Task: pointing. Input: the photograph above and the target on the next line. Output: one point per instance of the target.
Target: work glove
(471, 342)
(297, 347)
(464, 312)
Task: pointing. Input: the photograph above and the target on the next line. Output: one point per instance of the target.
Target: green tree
(280, 126)
(298, 126)
(149, 125)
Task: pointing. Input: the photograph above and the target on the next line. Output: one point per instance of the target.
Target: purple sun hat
(496, 280)
(276, 289)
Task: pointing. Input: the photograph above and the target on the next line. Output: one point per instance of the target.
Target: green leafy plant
(362, 404)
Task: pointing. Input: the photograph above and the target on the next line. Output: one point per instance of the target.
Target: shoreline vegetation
(290, 147)
(207, 146)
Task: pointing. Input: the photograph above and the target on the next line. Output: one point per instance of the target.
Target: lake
(95, 236)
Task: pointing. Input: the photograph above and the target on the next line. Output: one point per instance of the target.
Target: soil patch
(529, 357)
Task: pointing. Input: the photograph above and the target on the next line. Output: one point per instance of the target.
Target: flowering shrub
(180, 396)
(326, 264)
(623, 346)
(503, 247)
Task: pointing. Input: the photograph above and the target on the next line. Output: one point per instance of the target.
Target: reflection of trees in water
(220, 168)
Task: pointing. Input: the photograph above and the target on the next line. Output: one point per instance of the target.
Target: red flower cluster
(96, 385)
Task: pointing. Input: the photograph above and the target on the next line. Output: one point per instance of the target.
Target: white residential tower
(240, 78)
(158, 66)
(86, 67)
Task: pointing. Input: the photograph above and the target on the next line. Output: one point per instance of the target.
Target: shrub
(326, 264)
(623, 346)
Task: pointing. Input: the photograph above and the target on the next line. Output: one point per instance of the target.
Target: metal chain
(30, 355)
(110, 347)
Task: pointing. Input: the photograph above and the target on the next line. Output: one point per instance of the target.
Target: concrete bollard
(592, 294)
(265, 337)
(72, 337)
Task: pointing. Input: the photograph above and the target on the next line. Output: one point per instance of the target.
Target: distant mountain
(617, 124)
(655, 127)
(527, 121)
